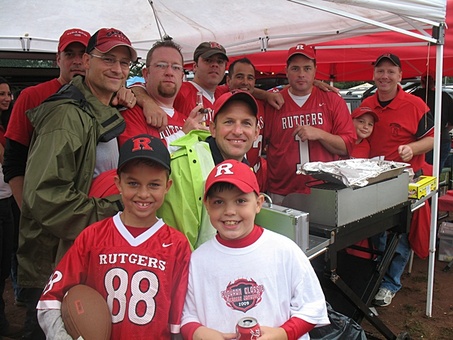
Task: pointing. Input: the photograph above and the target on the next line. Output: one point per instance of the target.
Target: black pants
(32, 330)
(6, 249)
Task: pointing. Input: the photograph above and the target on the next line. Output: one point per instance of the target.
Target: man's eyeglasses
(110, 61)
(163, 66)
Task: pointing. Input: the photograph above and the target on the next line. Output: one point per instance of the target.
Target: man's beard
(166, 92)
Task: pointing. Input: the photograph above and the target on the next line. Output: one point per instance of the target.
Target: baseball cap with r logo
(144, 146)
(234, 172)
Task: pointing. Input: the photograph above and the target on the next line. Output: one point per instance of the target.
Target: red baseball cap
(238, 95)
(106, 39)
(237, 173)
(361, 110)
(305, 50)
(73, 35)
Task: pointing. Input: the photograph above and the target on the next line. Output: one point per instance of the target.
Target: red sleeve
(2, 136)
(221, 89)
(342, 121)
(135, 125)
(296, 327)
(188, 329)
(104, 185)
(19, 127)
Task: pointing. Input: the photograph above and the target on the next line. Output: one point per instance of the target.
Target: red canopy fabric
(352, 59)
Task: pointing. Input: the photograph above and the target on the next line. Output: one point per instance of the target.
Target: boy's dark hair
(144, 161)
(219, 187)
(163, 43)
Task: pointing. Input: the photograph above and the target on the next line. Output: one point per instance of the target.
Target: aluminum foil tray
(354, 173)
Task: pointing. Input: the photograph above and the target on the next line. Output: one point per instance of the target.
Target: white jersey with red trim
(285, 152)
(271, 280)
(143, 278)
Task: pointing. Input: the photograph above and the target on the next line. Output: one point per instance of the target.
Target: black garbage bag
(341, 327)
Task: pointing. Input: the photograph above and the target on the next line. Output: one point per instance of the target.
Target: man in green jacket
(233, 130)
(74, 137)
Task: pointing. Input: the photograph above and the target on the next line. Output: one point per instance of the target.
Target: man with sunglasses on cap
(404, 133)
(74, 137)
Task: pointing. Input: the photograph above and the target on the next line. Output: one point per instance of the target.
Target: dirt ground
(407, 313)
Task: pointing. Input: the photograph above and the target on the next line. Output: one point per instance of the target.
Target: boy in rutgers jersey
(312, 125)
(136, 261)
(246, 270)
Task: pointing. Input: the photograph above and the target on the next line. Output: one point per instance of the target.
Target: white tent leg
(433, 230)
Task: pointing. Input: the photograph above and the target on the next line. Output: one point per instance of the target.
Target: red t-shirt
(19, 126)
(401, 122)
(361, 150)
(136, 124)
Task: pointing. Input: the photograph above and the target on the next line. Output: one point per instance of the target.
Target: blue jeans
(392, 277)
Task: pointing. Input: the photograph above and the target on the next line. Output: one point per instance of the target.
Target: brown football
(85, 313)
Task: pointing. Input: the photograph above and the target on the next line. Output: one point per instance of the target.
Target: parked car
(356, 91)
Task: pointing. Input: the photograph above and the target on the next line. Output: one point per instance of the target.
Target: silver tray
(396, 168)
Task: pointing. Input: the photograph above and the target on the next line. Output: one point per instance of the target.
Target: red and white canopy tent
(243, 27)
(351, 59)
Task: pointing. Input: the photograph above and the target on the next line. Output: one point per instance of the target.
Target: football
(85, 313)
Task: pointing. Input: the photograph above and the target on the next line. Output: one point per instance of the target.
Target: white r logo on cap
(224, 169)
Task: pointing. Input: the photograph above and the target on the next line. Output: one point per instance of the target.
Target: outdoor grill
(331, 204)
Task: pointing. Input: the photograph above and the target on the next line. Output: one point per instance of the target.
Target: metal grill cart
(346, 216)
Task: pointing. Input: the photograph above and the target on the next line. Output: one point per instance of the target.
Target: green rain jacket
(58, 176)
(183, 206)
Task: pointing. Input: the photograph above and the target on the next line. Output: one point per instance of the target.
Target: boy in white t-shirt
(246, 270)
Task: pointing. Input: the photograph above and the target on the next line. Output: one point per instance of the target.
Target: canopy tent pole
(158, 23)
(436, 170)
